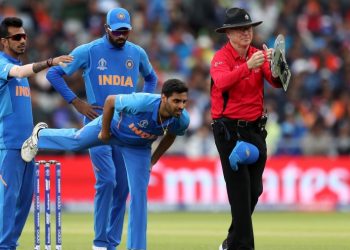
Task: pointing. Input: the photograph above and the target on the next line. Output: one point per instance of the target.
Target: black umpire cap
(235, 18)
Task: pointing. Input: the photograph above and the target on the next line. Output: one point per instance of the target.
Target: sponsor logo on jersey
(102, 64)
(129, 64)
(141, 133)
(22, 91)
(115, 80)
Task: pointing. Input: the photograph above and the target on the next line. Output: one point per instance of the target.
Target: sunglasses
(17, 37)
(118, 32)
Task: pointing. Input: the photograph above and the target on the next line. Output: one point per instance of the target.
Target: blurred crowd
(312, 118)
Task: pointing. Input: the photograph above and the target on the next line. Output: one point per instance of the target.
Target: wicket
(58, 198)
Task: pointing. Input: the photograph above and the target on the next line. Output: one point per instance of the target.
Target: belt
(259, 123)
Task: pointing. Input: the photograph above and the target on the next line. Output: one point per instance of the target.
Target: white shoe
(98, 248)
(30, 146)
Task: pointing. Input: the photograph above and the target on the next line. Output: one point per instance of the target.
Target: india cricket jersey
(16, 119)
(109, 70)
(135, 120)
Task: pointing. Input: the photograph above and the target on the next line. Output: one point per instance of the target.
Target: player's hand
(85, 108)
(62, 60)
(268, 53)
(257, 59)
(104, 136)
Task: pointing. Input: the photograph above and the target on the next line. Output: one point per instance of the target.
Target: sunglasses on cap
(17, 37)
(118, 32)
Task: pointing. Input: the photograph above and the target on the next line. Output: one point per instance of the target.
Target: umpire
(238, 71)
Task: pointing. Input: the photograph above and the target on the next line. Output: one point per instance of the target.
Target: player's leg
(137, 163)
(12, 168)
(62, 139)
(70, 139)
(256, 170)
(104, 171)
(240, 233)
(120, 194)
(25, 197)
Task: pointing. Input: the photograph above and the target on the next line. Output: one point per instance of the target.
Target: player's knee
(123, 190)
(106, 184)
(76, 147)
(138, 191)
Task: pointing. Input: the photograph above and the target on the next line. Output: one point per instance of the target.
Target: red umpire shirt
(237, 92)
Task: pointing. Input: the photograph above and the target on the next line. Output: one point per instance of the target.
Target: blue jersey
(135, 120)
(16, 119)
(109, 70)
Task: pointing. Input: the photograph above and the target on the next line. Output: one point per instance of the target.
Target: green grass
(205, 231)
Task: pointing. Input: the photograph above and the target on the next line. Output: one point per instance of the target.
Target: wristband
(49, 62)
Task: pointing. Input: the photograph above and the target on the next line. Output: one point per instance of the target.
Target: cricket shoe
(98, 248)
(30, 146)
(224, 245)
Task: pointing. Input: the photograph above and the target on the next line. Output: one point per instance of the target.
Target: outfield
(205, 231)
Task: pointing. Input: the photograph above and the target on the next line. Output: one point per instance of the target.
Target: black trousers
(245, 185)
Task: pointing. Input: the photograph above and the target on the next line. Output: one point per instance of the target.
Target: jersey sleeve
(145, 65)
(5, 68)
(55, 77)
(80, 59)
(133, 103)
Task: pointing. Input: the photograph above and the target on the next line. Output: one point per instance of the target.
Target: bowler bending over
(132, 122)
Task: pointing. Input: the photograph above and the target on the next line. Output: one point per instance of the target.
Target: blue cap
(243, 153)
(118, 18)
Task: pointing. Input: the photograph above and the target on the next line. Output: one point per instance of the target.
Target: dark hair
(173, 86)
(9, 22)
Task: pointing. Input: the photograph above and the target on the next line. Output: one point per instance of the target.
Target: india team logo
(129, 64)
(121, 16)
(102, 64)
(143, 123)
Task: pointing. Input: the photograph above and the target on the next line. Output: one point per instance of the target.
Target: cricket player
(16, 124)
(131, 123)
(111, 65)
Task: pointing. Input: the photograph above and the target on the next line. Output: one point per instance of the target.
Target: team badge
(129, 64)
(102, 64)
(121, 16)
(143, 124)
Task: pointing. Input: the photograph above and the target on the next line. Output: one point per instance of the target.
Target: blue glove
(243, 153)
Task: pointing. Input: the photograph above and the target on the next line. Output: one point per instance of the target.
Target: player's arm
(148, 73)
(108, 111)
(163, 146)
(32, 68)
(151, 81)
(170, 137)
(55, 77)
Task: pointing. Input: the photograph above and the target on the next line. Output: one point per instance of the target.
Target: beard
(118, 43)
(18, 51)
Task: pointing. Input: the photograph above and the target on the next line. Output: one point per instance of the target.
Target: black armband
(49, 62)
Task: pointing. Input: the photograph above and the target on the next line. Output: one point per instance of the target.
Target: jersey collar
(235, 54)
(10, 58)
(155, 114)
